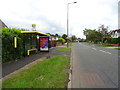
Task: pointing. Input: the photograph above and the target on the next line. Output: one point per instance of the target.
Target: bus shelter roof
(35, 32)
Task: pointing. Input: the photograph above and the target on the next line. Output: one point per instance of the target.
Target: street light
(68, 21)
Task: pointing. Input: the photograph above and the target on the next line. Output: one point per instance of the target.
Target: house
(115, 33)
(2, 24)
(53, 38)
(53, 41)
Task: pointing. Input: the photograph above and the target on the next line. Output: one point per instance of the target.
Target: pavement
(113, 47)
(18, 64)
(94, 67)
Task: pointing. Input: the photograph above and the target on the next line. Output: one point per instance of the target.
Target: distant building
(53, 38)
(2, 24)
(115, 33)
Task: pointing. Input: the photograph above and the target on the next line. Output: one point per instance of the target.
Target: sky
(50, 16)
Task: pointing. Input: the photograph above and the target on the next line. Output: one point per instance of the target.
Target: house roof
(33, 32)
(2, 24)
(117, 30)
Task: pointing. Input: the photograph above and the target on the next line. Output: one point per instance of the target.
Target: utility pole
(68, 21)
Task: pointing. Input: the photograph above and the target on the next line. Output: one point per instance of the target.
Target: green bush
(61, 40)
(113, 40)
(10, 53)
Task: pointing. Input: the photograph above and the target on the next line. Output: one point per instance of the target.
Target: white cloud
(50, 15)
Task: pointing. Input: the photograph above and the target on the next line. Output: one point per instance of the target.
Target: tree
(92, 35)
(104, 32)
(73, 38)
(64, 36)
(56, 35)
(48, 33)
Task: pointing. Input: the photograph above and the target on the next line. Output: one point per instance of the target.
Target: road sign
(33, 25)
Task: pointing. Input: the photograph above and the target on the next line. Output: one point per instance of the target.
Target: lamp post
(68, 21)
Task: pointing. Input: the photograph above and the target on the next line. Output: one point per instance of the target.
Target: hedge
(113, 40)
(10, 53)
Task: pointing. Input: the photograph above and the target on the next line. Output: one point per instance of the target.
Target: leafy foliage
(104, 32)
(64, 36)
(8, 51)
(73, 38)
(113, 40)
(61, 40)
(101, 35)
(92, 35)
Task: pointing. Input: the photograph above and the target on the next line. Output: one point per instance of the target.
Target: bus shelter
(34, 41)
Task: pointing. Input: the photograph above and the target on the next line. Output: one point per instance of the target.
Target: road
(94, 67)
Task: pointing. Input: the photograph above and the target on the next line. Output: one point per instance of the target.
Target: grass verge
(63, 49)
(117, 48)
(102, 45)
(98, 45)
(69, 45)
(49, 73)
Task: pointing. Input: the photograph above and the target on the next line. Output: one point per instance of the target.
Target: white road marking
(94, 48)
(102, 51)
(108, 52)
(105, 52)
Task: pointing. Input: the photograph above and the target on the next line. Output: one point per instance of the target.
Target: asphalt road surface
(94, 67)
